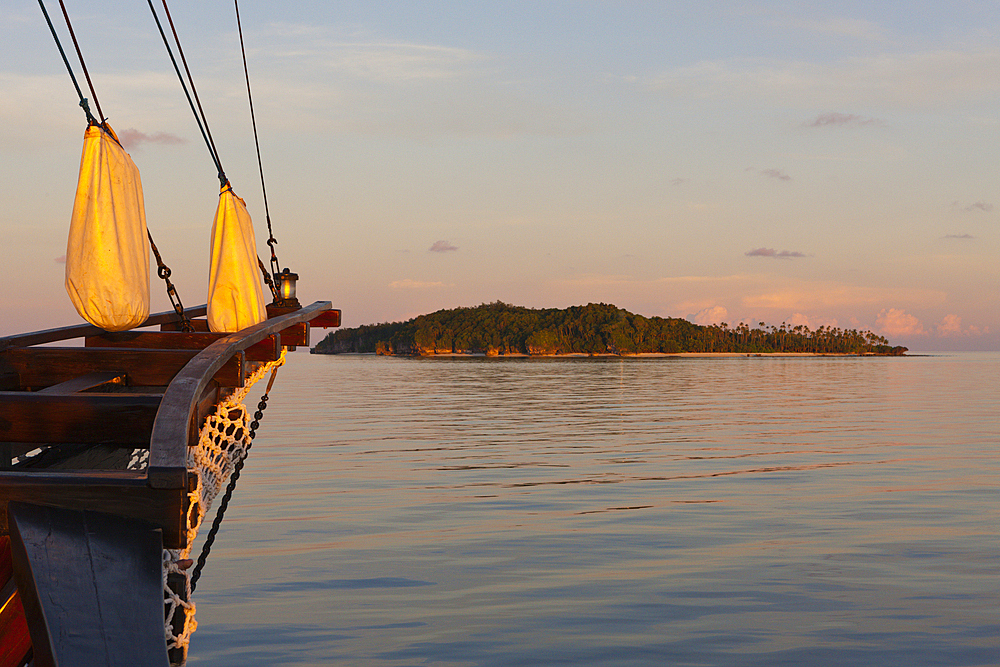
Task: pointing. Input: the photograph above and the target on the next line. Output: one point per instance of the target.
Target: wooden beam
(326, 319)
(330, 318)
(121, 419)
(85, 382)
(45, 366)
(81, 330)
(120, 492)
(268, 349)
(9, 381)
(200, 326)
(91, 587)
(295, 335)
(6, 566)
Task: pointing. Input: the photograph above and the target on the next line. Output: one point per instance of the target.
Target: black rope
(163, 271)
(83, 100)
(201, 120)
(207, 548)
(271, 241)
(83, 64)
(194, 91)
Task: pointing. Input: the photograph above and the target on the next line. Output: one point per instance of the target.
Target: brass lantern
(285, 284)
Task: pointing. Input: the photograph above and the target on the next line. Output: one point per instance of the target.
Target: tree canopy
(498, 328)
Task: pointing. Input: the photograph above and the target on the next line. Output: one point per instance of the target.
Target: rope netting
(222, 443)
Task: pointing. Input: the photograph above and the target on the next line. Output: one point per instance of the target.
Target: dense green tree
(598, 328)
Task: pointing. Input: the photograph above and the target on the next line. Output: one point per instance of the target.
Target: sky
(817, 163)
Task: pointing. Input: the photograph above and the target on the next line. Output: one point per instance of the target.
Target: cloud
(771, 252)
(713, 315)
(959, 236)
(679, 181)
(895, 322)
(61, 259)
(951, 327)
(978, 207)
(746, 294)
(415, 284)
(377, 86)
(838, 119)
(826, 295)
(929, 79)
(835, 26)
(132, 138)
(776, 173)
(369, 59)
(442, 246)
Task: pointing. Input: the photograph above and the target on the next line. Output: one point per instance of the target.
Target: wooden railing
(81, 330)
(157, 495)
(174, 427)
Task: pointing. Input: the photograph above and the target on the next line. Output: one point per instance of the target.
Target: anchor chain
(163, 271)
(231, 487)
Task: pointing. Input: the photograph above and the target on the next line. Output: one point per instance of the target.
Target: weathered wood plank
(198, 325)
(81, 330)
(91, 587)
(9, 381)
(45, 366)
(122, 493)
(6, 566)
(295, 335)
(123, 419)
(330, 318)
(268, 349)
(85, 382)
(327, 319)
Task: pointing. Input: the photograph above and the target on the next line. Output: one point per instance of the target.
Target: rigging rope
(201, 120)
(271, 241)
(83, 100)
(83, 65)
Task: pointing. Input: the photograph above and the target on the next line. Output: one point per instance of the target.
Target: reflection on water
(736, 511)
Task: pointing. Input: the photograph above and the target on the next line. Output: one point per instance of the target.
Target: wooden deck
(82, 524)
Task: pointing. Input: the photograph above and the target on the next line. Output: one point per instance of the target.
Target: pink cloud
(132, 138)
(951, 326)
(713, 315)
(895, 322)
(61, 259)
(771, 252)
(442, 246)
(813, 322)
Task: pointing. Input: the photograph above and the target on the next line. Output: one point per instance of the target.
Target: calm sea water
(732, 511)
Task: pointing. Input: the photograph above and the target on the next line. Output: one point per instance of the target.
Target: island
(598, 329)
